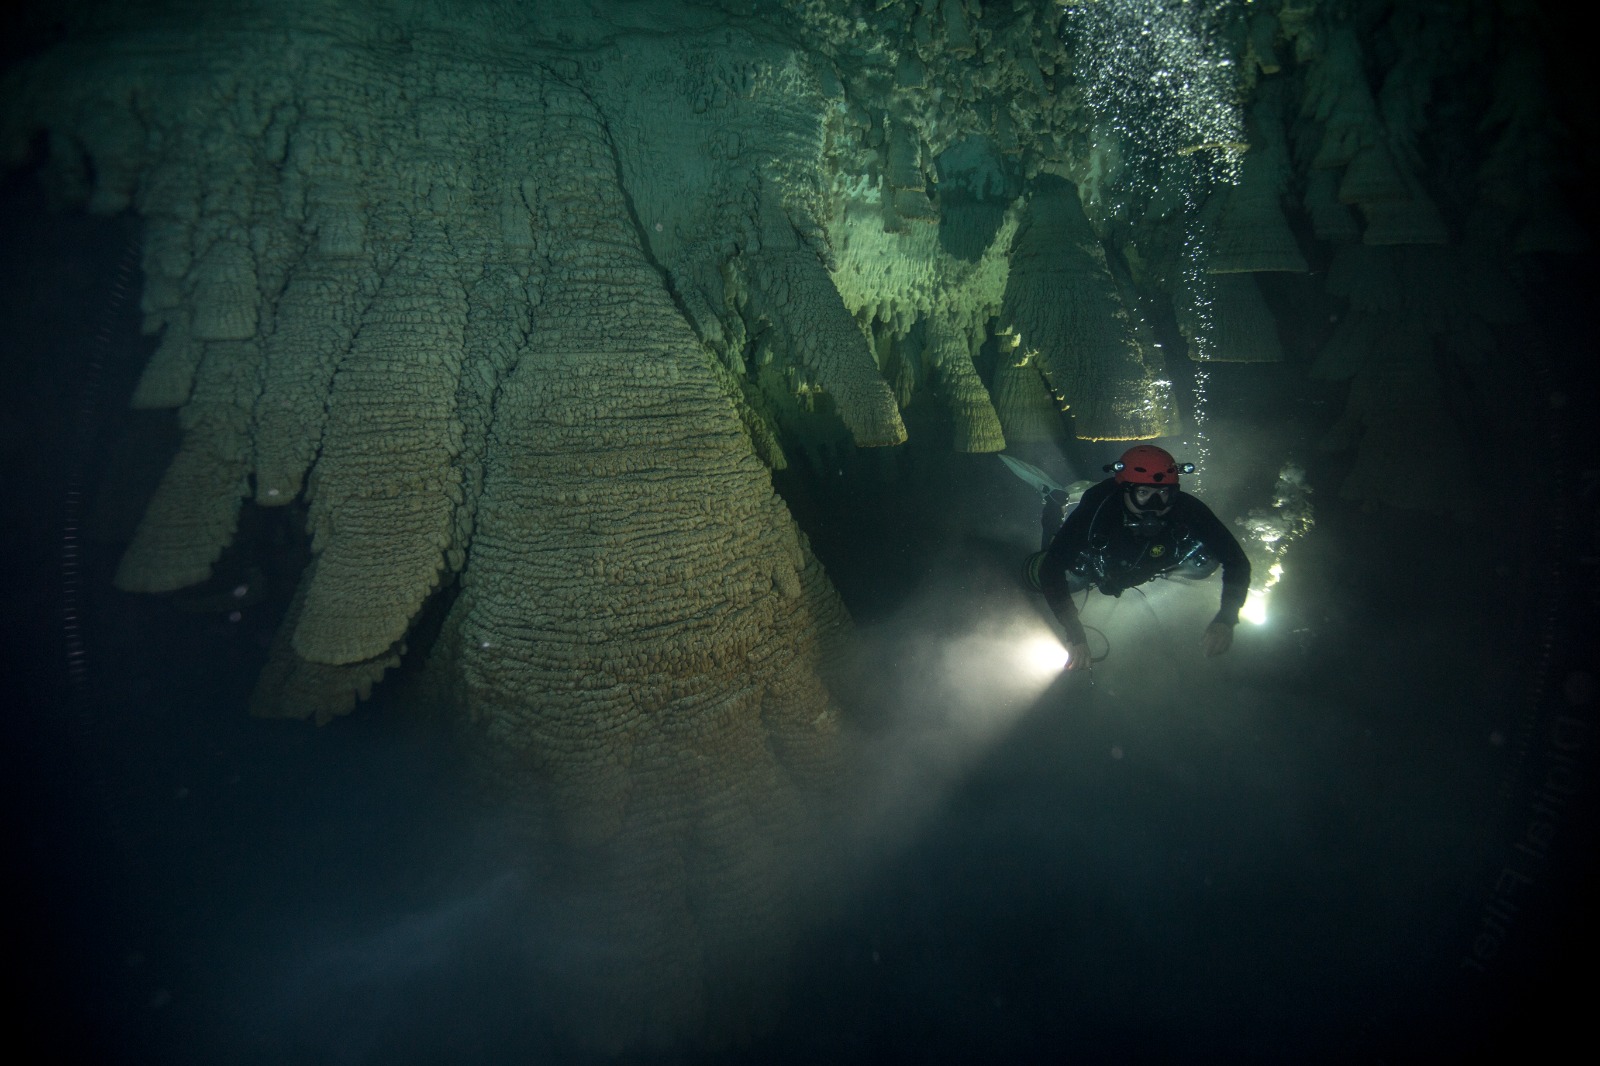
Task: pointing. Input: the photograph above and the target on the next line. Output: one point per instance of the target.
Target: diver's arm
(1071, 539)
(1224, 547)
(1053, 580)
(1234, 593)
(1065, 610)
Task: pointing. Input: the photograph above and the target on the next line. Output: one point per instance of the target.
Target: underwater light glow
(990, 676)
(1254, 610)
(1044, 655)
(1255, 604)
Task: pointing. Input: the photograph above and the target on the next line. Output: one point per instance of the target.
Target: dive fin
(1041, 482)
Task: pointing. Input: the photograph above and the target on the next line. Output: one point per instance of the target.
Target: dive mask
(1150, 498)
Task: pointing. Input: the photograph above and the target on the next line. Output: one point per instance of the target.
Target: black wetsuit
(1105, 545)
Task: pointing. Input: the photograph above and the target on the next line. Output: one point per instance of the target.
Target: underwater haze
(1357, 837)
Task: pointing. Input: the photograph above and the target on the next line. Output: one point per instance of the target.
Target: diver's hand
(1078, 657)
(1218, 639)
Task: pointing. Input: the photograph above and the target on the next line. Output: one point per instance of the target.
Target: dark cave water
(1362, 836)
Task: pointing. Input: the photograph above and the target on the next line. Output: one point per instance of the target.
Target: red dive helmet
(1145, 464)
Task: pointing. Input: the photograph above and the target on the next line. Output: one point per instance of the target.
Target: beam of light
(953, 696)
(1044, 655)
(990, 678)
(1255, 604)
(1254, 610)
(1274, 529)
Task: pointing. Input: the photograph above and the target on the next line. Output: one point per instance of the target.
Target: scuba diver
(1128, 529)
